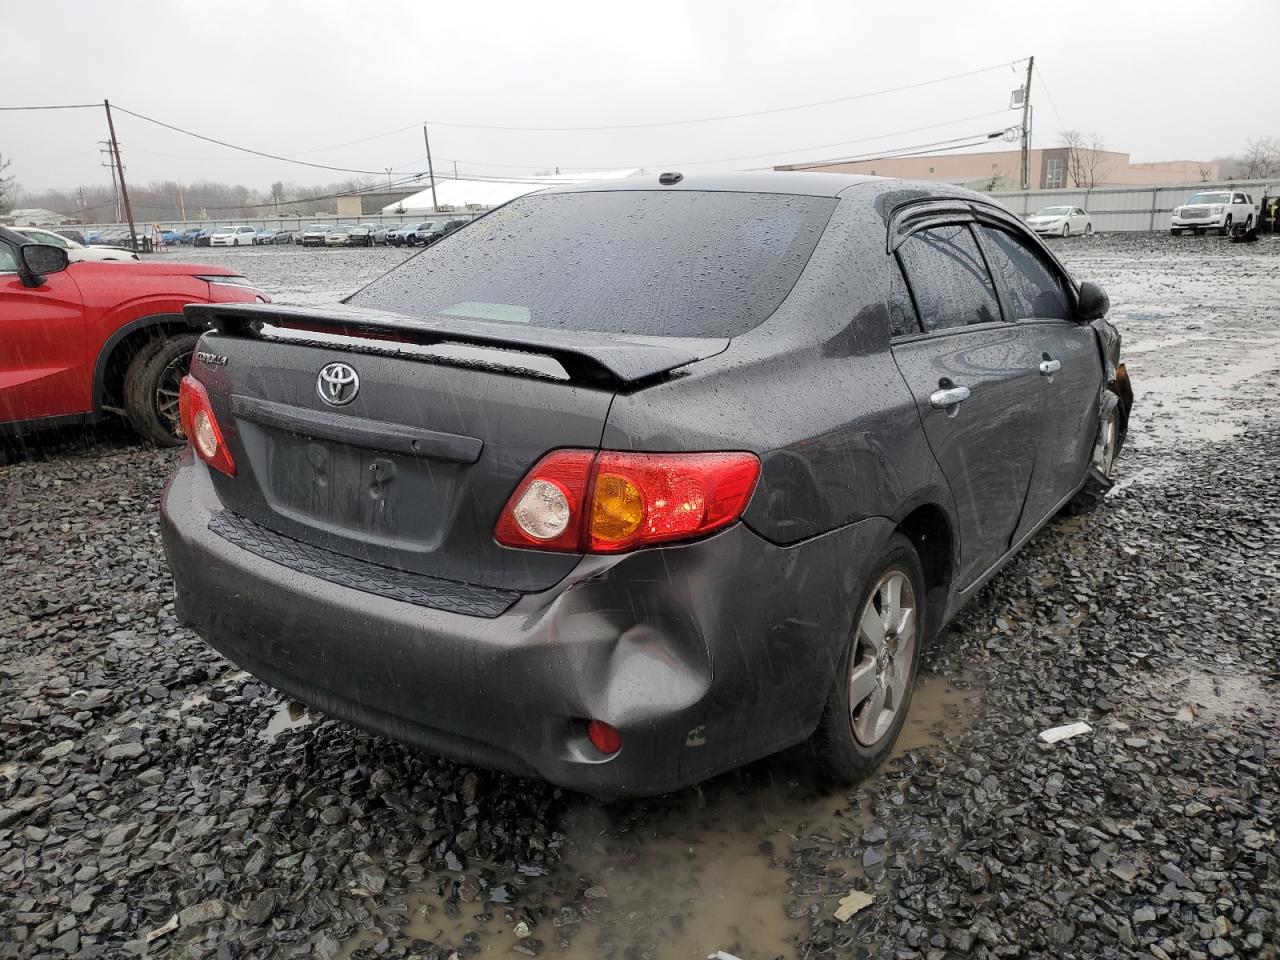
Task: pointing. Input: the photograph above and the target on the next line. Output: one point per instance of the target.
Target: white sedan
(232, 237)
(1061, 221)
(76, 252)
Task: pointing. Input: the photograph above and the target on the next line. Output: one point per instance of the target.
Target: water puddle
(286, 717)
(1211, 695)
(696, 871)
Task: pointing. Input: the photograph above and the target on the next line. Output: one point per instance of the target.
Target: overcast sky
(301, 78)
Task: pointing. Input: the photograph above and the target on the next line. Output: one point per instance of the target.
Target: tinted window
(679, 263)
(902, 312)
(1032, 286)
(949, 278)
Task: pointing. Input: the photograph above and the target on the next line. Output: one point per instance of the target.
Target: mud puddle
(1213, 693)
(290, 715)
(691, 873)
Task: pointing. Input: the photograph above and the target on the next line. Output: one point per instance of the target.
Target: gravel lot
(156, 801)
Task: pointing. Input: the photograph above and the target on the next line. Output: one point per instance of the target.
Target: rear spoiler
(585, 356)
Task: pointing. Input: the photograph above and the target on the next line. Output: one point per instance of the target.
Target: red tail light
(201, 426)
(610, 502)
(603, 737)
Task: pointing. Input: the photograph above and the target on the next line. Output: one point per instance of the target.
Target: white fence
(1127, 209)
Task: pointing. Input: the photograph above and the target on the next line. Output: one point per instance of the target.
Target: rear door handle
(949, 397)
(1050, 367)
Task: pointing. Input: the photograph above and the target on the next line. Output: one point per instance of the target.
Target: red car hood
(150, 268)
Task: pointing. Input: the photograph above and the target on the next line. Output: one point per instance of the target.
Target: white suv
(1214, 209)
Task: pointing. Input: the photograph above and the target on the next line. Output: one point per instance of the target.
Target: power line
(257, 153)
(919, 149)
(1062, 123)
(58, 106)
(736, 116)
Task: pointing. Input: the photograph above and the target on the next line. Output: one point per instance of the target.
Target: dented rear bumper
(704, 656)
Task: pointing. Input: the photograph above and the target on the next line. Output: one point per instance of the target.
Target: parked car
(437, 231)
(75, 235)
(241, 236)
(203, 239)
(112, 236)
(171, 237)
(315, 234)
(680, 505)
(408, 232)
(360, 234)
(1061, 221)
(377, 232)
(186, 236)
(1214, 210)
(76, 253)
(271, 237)
(84, 340)
(339, 236)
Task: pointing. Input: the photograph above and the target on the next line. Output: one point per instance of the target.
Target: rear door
(976, 387)
(1037, 297)
(42, 345)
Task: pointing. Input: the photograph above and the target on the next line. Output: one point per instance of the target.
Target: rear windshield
(683, 263)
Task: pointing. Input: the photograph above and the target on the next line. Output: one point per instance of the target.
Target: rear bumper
(705, 656)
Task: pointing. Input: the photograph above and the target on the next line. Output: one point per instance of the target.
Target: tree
(6, 184)
(1086, 157)
(1204, 171)
(1261, 159)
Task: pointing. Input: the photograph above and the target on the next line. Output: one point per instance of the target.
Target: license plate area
(391, 500)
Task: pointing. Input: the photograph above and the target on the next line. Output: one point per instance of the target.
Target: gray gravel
(148, 787)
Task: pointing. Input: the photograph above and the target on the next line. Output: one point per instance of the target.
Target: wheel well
(110, 389)
(929, 531)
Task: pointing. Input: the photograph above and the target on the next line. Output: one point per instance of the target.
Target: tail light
(611, 501)
(201, 426)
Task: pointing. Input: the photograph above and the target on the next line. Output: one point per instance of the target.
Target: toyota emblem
(338, 384)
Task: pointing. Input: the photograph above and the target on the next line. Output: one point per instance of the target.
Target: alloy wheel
(167, 391)
(884, 651)
(1066, 229)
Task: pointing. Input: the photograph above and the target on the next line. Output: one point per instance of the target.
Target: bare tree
(1261, 159)
(1204, 171)
(6, 184)
(1086, 157)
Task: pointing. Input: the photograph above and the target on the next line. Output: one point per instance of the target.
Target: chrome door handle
(949, 397)
(1050, 367)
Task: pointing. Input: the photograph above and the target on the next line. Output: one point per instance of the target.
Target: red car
(83, 339)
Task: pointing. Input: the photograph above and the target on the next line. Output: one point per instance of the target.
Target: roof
(460, 194)
(766, 181)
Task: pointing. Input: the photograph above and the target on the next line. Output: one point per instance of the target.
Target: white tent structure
(461, 194)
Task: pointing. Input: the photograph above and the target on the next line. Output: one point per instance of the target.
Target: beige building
(1000, 169)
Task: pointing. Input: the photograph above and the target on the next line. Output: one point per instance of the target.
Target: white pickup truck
(1214, 210)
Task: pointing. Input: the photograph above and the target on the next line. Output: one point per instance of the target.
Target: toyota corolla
(626, 486)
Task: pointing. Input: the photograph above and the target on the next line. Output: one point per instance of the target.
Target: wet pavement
(149, 787)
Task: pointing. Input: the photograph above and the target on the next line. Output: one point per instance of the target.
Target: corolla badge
(338, 384)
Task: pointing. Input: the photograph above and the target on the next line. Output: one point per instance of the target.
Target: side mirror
(1094, 302)
(37, 259)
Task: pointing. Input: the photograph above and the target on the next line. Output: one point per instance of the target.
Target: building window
(1053, 173)
(995, 166)
(931, 169)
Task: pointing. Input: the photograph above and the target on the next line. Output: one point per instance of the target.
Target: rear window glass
(683, 263)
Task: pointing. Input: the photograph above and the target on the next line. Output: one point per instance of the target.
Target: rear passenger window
(903, 321)
(949, 278)
(1033, 287)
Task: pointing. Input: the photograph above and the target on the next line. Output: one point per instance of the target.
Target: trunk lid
(412, 469)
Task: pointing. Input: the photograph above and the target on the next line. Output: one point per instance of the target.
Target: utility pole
(1026, 127)
(435, 207)
(124, 191)
(455, 169)
(109, 161)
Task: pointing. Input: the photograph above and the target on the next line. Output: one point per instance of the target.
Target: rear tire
(853, 738)
(1066, 229)
(151, 389)
(1088, 229)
